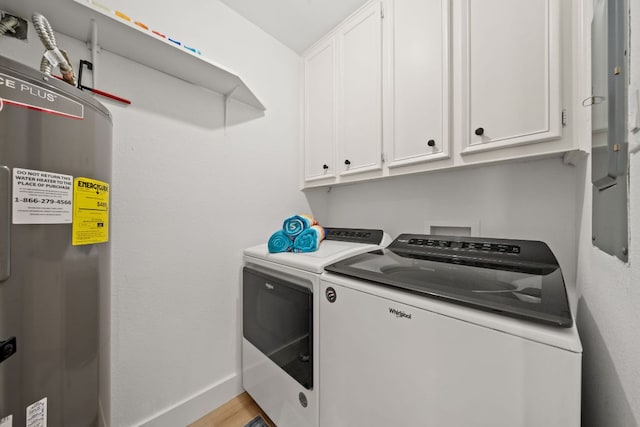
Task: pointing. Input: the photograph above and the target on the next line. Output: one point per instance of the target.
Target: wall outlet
(463, 227)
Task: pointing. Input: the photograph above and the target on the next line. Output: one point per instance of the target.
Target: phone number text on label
(43, 201)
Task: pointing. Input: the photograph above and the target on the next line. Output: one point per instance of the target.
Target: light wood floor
(235, 413)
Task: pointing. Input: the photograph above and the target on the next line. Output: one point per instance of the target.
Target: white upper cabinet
(418, 82)
(360, 92)
(408, 86)
(511, 72)
(319, 112)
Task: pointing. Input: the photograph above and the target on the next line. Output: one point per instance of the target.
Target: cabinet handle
(347, 162)
(479, 131)
(325, 167)
(431, 143)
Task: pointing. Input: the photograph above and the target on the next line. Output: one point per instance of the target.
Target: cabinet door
(360, 100)
(319, 112)
(511, 70)
(419, 81)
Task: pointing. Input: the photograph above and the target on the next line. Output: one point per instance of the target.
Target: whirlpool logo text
(399, 313)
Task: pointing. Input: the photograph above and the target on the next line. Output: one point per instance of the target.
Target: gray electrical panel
(609, 151)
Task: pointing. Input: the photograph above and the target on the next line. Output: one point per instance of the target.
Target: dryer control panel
(354, 235)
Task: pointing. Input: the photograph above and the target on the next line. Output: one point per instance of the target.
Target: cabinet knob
(431, 143)
(347, 162)
(325, 167)
(479, 131)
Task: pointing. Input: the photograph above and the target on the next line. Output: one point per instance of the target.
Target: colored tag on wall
(90, 212)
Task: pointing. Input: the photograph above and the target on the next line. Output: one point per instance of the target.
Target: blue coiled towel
(279, 242)
(309, 240)
(296, 224)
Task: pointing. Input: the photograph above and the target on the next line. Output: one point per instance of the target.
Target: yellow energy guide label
(90, 211)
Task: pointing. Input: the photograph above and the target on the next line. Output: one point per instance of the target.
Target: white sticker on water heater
(7, 421)
(37, 414)
(41, 197)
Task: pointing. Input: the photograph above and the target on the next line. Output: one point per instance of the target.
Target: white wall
(609, 295)
(187, 197)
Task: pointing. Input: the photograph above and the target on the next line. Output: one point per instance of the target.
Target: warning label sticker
(90, 211)
(21, 93)
(37, 414)
(7, 421)
(41, 197)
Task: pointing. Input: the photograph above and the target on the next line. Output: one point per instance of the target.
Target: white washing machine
(280, 344)
(448, 331)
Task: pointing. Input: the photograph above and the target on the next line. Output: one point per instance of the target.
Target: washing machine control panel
(477, 245)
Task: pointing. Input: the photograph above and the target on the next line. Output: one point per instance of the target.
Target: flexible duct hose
(8, 24)
(45, 32)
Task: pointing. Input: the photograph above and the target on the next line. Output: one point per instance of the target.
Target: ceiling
(295, 23)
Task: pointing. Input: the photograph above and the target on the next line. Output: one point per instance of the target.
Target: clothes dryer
(280, 342)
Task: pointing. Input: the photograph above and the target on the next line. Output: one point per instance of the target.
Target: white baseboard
(198, 405)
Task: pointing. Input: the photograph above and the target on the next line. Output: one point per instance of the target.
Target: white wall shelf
(138, 44)
(133, 42)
